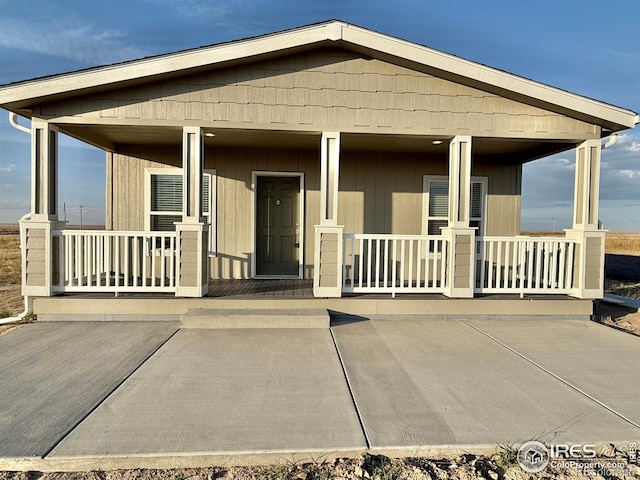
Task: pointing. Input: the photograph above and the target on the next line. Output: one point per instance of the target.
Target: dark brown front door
(277, 229)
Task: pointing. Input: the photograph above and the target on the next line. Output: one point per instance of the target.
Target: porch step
(255, 318)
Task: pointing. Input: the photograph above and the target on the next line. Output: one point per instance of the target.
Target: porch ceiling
(109, 137)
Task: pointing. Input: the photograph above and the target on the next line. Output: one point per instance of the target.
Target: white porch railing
(393, 263)
(108, 261)
(524, 265)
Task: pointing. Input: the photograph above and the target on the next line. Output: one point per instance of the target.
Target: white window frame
(483, 181)
(211, 217)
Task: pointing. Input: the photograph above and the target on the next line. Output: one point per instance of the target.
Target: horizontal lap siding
(379, 193)
(504, 196)
(234, 167)
(382, 192)
(128, 181)
(323, 90)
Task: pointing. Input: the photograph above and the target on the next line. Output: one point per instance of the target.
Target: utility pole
(81, 207)
(64, 207)
(554, 224)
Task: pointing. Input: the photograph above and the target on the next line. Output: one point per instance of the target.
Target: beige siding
(322, 90)
(379, 193)
(503, 196)
(36, 264)
(127, 181)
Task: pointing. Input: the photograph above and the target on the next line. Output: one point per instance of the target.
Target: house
(329, 152)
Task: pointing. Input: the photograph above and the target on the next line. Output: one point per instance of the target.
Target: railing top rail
(391, 236)
(114, 233)
(526, 238)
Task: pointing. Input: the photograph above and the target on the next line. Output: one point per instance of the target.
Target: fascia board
(165, 64)
(487, 75)
(334, 31)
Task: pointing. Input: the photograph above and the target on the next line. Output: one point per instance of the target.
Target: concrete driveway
(140, 394)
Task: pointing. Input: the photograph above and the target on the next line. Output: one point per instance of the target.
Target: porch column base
(192, 259)
(461, 249)
(327, 271)
(588, 263)
(40, 260)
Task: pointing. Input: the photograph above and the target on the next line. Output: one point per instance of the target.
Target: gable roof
(18, 97)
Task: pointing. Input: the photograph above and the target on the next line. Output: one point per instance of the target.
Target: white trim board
(254, 206)
(17, 96)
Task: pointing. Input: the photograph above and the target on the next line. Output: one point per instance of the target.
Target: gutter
(13, 120)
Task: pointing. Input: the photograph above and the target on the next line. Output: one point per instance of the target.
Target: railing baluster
(507, 262)
(498, 264)
(377, 262)
(386, 262)
(410, 265)
(444, 253)
(393, 263)
(490, 265)
(419, 263)
(402, 263)
(369, 262)
(360, 262)
(172, 265)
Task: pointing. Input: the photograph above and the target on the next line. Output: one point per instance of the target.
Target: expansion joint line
(105, 397)
(577, 389)
(353, 398)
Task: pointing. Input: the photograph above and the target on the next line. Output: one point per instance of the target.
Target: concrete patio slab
(427, 383)
(600, 361)
(53, 375)
(224, 392)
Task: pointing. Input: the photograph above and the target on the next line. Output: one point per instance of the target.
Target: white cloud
(634, 147)
(8, 168)
(197, 9)
(628, 173)
(68, 39)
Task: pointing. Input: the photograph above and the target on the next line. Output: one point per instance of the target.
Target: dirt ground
(502, 466)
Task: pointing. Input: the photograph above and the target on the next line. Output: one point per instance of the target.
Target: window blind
(438, 199)
(166, 193)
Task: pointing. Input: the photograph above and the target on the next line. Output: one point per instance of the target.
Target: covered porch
(457, 257)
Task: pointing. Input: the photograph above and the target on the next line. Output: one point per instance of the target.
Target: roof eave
(25, 94)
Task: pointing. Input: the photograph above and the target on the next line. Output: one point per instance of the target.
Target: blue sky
(583, 46)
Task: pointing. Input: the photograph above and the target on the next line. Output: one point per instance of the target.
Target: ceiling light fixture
(209, 134)
(437, 142)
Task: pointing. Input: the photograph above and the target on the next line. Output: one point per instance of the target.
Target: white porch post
(461, 237)
(588, 277)
(327, 271)
(192, 256)
(40, 259)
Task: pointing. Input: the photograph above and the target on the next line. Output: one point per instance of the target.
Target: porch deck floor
(297, 288)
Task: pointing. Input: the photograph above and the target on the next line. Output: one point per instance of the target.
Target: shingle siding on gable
(323, 90)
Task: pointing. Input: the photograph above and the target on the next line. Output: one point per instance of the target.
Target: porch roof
(510, 149)
(21, 96)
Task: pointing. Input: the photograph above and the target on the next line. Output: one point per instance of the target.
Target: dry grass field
(623, 243)
(10, 299)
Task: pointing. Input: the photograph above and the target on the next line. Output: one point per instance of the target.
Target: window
(436, 204)
(163, 201)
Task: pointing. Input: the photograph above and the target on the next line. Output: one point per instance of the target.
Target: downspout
(613, 139)
(13, 120)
